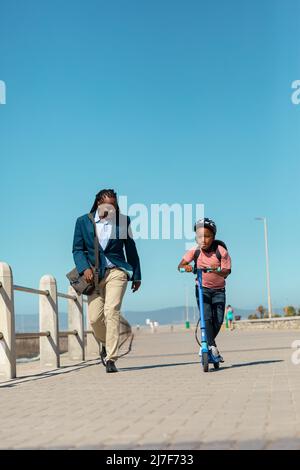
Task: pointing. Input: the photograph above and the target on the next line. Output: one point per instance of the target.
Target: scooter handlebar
(204, 270)
(211, 270)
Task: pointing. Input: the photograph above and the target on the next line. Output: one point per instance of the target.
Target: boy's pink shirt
(211, 280)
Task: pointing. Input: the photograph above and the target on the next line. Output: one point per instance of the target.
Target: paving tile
(161, 399)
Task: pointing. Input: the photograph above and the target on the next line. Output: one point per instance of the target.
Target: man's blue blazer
(83, 247)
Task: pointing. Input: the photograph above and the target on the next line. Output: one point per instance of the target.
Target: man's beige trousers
(104, 310)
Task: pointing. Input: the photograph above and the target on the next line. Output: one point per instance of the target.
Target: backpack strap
(218, 243)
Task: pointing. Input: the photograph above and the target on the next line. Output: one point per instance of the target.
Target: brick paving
(161, 398)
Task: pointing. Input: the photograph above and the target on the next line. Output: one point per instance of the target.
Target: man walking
(114, 234)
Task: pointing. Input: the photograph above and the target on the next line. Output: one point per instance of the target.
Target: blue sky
(167, 102)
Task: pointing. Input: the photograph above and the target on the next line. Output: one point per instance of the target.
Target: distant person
(229, 316)
(114, 234)
(210, 253)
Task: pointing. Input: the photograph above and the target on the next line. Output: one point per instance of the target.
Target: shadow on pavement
(155, 366)
(244, 364)
(276, 348)
(76, 367)
(247, 364)
(22, 379)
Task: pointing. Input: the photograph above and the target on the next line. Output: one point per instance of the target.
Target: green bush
(289, 311)
(253, 316)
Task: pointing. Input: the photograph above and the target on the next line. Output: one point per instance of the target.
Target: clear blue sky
(165, 101)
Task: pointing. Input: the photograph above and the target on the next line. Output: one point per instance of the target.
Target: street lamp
(187, 321)
(264, 219)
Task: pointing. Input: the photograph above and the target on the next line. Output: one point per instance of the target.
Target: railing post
(75, 322)
(49, 345)
(7, 323)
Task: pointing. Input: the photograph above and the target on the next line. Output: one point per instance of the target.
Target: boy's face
(204, 238)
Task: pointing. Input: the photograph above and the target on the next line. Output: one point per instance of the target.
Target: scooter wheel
(216, 365)
(205, 361)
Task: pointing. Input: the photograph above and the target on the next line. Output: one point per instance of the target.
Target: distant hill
(165, 316)
(171, 315)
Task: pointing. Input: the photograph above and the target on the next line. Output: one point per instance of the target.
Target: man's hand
(135, 285)
(88, 275)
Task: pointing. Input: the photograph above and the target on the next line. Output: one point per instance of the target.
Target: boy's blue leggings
(214, 301)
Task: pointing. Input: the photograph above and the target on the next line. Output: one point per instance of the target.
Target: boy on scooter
(210, 254)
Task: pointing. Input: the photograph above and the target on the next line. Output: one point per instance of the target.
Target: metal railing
(66, 296)
(31, 291)
(33, 335)
(49, 333)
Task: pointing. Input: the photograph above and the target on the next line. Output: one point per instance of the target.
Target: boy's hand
(214, 266)
(188, 268)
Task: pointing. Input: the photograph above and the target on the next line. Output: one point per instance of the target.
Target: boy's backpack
(214, 248)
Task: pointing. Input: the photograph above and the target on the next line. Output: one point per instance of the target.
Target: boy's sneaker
(215, 353)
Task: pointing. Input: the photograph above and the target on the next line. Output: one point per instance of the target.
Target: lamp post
(187, 321)
(264, 219)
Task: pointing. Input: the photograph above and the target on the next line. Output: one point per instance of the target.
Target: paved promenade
(161, 399)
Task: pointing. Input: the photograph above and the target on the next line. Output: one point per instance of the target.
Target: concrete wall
(27, 348)
(283, 323)
(30, 347)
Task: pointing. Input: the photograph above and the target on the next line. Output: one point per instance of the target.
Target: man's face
(204, 238)
(107, 207)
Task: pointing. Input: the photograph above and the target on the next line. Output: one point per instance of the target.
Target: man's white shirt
(104, 228)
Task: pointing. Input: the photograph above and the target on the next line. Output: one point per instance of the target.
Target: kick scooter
(205, 353)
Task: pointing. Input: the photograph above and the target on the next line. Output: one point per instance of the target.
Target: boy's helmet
(206, 223)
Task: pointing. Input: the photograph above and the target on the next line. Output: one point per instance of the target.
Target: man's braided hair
(101, 195)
